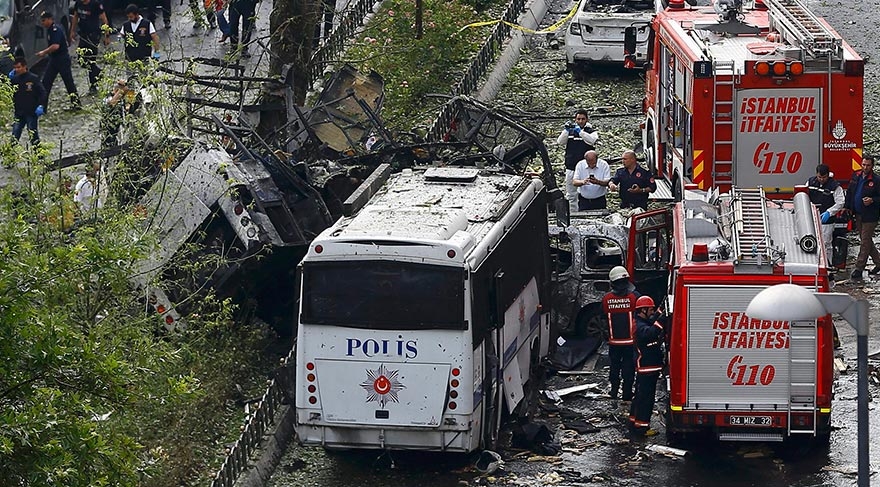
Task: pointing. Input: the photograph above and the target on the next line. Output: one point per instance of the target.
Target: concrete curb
(272, 448)
(530, 19)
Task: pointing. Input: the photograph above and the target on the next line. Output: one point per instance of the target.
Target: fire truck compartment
(383, 394)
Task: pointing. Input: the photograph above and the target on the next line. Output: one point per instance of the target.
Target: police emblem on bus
(382, 385)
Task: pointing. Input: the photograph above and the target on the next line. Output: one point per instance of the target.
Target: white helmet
(618, 272)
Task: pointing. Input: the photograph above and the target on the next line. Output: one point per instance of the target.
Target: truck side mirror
(629, 41)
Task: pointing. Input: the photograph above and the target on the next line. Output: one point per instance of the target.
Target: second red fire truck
(753, 95)
(731, 375)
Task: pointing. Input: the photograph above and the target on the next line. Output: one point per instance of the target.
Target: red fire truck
(753, 95)
(740, 378)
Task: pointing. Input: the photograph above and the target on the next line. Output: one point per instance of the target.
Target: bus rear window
(383, 295)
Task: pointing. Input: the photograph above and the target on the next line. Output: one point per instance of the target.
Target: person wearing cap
(649, 363)
(140, 37)
(58, 60)
(619, 306)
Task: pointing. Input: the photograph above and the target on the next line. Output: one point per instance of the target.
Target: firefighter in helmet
(649, 362)
(619, 306)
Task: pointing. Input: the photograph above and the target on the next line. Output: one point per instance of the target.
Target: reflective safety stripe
(648, 370)
(675, 408)
(699, 166)
(856, 155)
(825, 410)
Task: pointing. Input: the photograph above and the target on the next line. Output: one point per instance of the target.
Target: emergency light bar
(779, 68)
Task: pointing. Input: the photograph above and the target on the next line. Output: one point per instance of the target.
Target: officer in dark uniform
(649, 344)
(578, 138)
(27, 100)
(828, 196)
(59, 60)
(863, 199)
(139, 34)
(619, 306)
(634, 183)
(243, 12)
(90, 21)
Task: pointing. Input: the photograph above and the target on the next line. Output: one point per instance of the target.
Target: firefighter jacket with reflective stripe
(649, 341)
(620, 311)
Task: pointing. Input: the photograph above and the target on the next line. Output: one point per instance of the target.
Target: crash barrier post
(257, 425)
(342, 32)
(480, 65)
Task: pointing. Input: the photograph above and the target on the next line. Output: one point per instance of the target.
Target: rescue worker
(90, 21)
(59, 60)
(649, 362)
(863, 198)
(27, 100)
(634, 183)
(578, 138)
(827, 194)
(139, 34)
(619, 305)
(591, 178)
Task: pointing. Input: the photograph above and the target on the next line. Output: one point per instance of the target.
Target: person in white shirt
(591, 176)
(577, 137)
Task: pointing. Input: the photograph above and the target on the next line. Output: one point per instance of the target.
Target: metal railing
(343, 32)
(480, 65)
(258, 424)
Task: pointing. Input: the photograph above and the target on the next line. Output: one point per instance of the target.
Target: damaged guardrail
(482, 63)
(334, 44)
(258, 424)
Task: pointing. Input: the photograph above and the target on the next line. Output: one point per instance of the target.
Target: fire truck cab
(732, 376)
(753, 95)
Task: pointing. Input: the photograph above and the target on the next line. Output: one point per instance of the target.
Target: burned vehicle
(246, 212)
(589, 246)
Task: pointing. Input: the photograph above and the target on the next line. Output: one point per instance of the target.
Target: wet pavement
(541, 86)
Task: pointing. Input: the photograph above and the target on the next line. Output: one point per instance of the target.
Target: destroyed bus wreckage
(247, 211)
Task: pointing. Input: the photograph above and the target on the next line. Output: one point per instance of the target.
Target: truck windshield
(383, 295)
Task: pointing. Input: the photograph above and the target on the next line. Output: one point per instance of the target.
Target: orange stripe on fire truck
(856, 159)
(699, 164)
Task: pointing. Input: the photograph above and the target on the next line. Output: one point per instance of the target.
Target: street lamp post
(790, 302)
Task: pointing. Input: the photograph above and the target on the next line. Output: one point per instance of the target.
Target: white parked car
(595, 34)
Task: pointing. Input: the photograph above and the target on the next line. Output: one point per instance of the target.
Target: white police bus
(405, 302)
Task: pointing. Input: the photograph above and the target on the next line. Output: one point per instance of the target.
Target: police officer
(578, 138)
(634, 183)
(27, 100)
(141, 40)
(619, 304)
(243, 12)
(649, 363)
(59, 60)
(827, 194)
(90, 21)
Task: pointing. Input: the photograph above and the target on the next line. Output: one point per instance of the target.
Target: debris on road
(488, 462)
(535, 437)
(668, 451)
(557, 395)
(840, 365)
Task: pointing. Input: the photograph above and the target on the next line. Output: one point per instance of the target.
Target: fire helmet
(644, 302)
(618, 272)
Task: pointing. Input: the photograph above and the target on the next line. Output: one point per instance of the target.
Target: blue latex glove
(40, 111)
(576, 130)
(826, 217)
(156, 55)
(12, 74)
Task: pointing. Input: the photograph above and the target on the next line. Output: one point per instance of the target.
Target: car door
(648, 252)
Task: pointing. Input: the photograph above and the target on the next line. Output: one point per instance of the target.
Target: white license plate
(751, 420)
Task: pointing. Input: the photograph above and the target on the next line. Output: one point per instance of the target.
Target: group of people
(90, 24)
(635, 348)
(588, 178)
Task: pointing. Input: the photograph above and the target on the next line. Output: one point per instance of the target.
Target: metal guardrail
(343, 32)
(258, 424)
(480, 65)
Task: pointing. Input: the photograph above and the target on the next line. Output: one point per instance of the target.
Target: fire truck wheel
(650, 154)
(676, 189)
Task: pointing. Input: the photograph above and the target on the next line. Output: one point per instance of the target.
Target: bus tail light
(450, 253)
(453, 388)
(319, 248)
(311, 378)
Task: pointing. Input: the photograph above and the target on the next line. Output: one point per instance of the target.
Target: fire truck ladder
(750, 239)
(802, 376)
(722, 113)
(797, 25)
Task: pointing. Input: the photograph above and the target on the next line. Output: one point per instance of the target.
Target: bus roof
(450, 207)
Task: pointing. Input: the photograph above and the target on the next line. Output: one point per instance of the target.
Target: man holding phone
(591, 176)
(863, 199)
